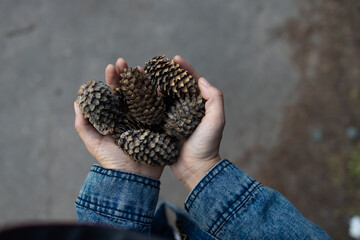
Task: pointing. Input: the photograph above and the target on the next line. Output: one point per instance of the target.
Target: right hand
(200, 152)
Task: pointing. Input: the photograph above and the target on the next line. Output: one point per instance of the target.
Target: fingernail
(204, 82)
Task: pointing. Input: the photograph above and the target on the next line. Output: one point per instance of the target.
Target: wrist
(193, 174)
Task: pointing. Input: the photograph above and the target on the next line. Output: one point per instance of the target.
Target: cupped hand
(103, 148)
(200, 152)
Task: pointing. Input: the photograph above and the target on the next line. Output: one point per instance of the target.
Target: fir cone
(184, 116)
(172, 80)
(141, 97)
(149, 113)
(125, 123)
(121, 98)
(98, 105)
(148, 147)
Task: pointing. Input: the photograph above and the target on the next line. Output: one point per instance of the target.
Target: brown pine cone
(125, 123)
(148, 147)
(172, 80)
(98, 105)
(184, 116)
(141, 97)
(149, 113)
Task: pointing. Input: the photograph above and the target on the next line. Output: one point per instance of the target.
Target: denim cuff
(218, 195)
(120, 195)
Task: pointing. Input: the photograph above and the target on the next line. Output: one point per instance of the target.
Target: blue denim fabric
(225, 204)
(229, 204)
(118, 199)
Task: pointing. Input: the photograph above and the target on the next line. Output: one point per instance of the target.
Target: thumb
(86, 131)
(214, 106)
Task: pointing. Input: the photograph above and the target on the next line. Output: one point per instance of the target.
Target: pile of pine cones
(149, 114)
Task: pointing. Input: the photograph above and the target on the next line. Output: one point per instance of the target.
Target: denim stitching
(241, 204)
(208, 181)
(117, 219)
(115, 209)
(101, 170)
(154, 185)
(244, 192)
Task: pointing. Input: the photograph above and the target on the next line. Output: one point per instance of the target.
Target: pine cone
(141, 97)
(148, 147)
(134, 114)
(172, 80)
(125, 123)
(184, 116)
(98, 105)
(121, 98)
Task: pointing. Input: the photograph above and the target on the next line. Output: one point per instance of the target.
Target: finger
(141, 69)
(112, 77)
(187, 66)
(214, 107)
(121, 65)
(86, 131)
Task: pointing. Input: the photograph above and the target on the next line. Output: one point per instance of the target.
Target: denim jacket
(225, 204)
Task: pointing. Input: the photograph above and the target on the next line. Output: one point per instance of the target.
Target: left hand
(103, 148)
(200, 152)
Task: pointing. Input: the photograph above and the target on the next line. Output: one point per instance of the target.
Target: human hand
(200, 152)
(103, 148)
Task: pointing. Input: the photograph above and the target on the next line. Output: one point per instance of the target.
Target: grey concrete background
(49, 48)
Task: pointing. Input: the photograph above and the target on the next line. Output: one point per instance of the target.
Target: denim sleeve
(229, 204)
(118, 199)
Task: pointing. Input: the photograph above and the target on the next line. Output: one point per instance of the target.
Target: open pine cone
(149, 114)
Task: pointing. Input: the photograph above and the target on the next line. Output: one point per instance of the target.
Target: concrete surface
(49, 48)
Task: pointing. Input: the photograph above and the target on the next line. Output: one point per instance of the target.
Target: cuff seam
(80, 202)
(115, 218)
(207, 180)
(126, 176)
(237, 206)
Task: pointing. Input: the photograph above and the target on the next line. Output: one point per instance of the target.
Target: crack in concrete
(21, 31)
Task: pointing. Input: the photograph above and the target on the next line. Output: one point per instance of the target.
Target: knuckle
(218, 93)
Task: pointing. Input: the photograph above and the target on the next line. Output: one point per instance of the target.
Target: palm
(200, 147)
(107, 152)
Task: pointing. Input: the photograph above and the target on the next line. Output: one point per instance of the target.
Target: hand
(200, 152)
(103, 148)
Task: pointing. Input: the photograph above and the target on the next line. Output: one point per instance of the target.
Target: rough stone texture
(48, 49)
